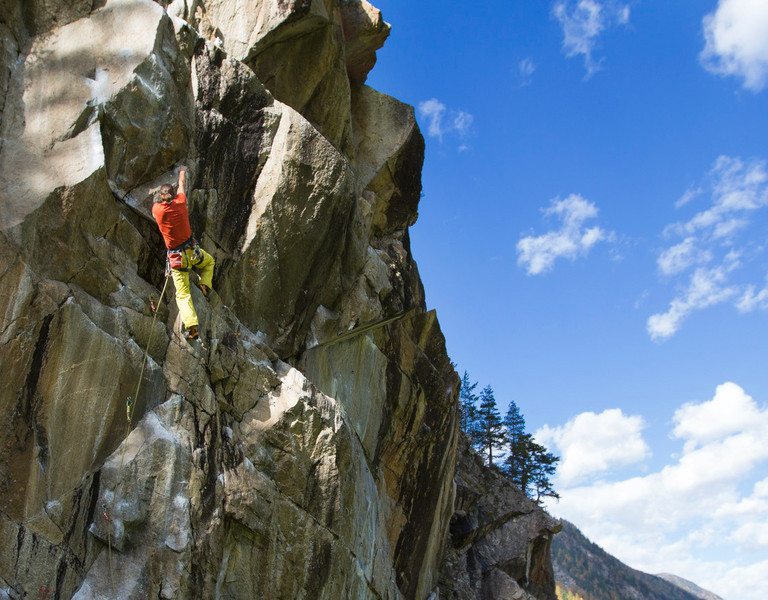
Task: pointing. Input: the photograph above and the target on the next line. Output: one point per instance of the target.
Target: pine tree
(528, 464)
(490, 432)
(524, 476)
(543, 465)
(516, 443)
(468, 413)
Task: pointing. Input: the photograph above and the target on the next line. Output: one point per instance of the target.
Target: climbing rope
(361, 329)
(129, 415)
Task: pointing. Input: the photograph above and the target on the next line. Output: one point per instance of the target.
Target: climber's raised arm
(182, 180)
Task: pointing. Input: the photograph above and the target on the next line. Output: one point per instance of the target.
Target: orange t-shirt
(173, 220)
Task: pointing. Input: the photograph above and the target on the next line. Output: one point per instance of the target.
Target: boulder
(364, 33)
(389, 154)
(236, 122)
(297, 49)
(291, 256)
(245, 29)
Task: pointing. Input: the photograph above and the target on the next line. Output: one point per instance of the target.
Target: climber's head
(166, 193)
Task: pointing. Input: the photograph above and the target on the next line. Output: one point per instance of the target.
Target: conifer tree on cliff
(490, 432)
(543, 465)
(517, 446)
(528, 464)
(468, 413)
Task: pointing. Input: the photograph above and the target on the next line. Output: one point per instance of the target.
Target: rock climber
(184, 253)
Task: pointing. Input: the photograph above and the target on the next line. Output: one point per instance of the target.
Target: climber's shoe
(204, 288)
(192, 333)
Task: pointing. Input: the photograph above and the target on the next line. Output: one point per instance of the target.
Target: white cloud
(737, 41)
(582, 24)
(713, 236)
(752, 535)
(680, 257)
(750, 512)
(728, 228)
(705, 289)
(752, 300)
(442, 121)
(433, 110)
(462, 121)
(590, 443)
(729, 412)
(748, 582)
(737, 188)
(525, 68)
(703, 515)
(538, 253)
(622, 15)
(689, 195)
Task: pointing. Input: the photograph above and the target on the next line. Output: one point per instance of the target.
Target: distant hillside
(588, 572)
(689, 586)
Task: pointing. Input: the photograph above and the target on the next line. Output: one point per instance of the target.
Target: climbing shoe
(205, 289)
(191, 333)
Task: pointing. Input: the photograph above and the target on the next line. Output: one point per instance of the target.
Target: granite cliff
(307, 447)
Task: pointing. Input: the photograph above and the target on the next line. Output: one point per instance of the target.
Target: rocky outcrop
(364, 33)
(305, 448)
(281, 457)
(499, 545)
(304, 51)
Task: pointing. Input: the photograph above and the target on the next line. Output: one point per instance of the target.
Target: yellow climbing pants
(181, 281)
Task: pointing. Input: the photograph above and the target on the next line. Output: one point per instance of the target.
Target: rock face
(305, 448)
(499, 546)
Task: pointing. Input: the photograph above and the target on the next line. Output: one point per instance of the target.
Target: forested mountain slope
(588, 571)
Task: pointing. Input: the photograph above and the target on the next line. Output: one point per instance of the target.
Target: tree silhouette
(468, 412)
(490, 432)
(516, 442)
(528, 464)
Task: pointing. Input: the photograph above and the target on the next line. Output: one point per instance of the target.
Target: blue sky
(593, 236)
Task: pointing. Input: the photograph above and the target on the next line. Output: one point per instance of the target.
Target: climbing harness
(176, 255)
(129, 419)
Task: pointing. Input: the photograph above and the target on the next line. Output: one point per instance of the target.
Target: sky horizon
(593, 234)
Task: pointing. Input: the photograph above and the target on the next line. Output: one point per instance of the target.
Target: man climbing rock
(184, 253)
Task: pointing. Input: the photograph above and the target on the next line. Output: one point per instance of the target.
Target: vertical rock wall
(305, 448)
(259, 462)
(499, 543)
